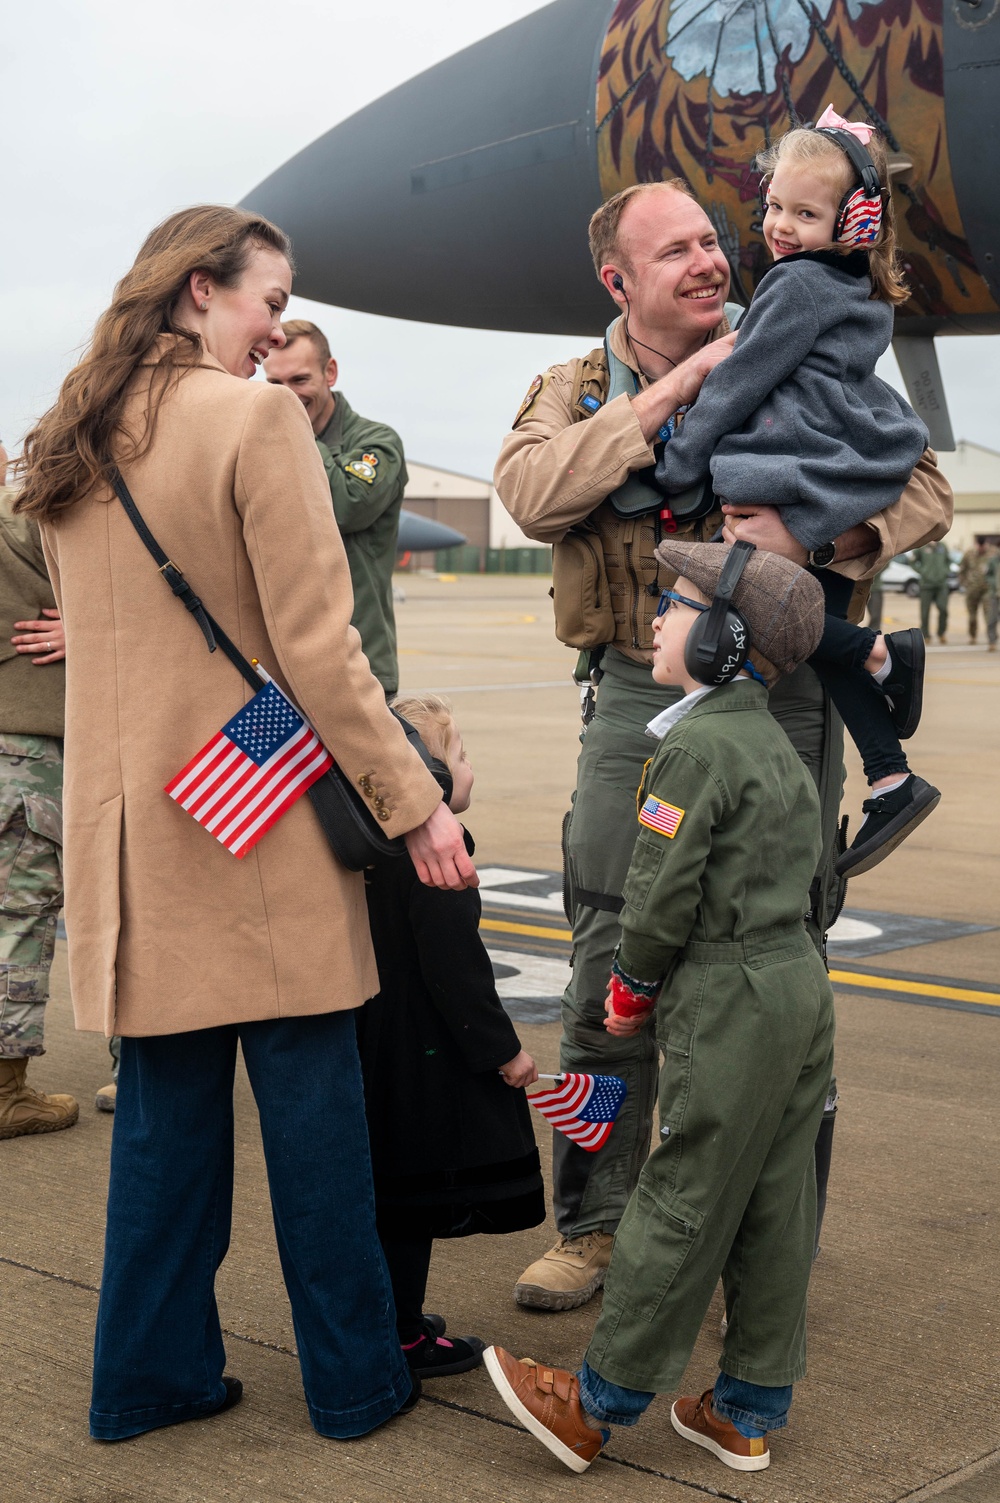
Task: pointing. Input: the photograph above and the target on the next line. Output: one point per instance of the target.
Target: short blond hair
(302, 328)
(605, 222)
(432, 716)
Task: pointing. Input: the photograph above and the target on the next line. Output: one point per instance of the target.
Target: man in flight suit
(585, 430)
(367, 475)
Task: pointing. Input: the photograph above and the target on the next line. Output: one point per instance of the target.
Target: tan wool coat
(168, 931)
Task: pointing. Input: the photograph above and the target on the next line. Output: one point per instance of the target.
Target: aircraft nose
(463, 196)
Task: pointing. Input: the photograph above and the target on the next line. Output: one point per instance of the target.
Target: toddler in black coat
(453, 1148)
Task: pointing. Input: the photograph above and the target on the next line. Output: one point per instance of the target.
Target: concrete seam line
(944, 1485)
(633, 1466)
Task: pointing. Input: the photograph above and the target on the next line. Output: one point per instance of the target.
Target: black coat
(453, 1148)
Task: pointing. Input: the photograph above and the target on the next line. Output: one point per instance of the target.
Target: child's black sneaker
(434, 1356)
(904, 687)
(890, 818)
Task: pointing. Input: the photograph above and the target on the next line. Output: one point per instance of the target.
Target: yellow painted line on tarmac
(915, 988)
(535, 930)
(844, 978)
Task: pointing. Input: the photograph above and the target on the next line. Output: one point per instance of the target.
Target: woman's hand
(521, 1071)
(437, 850)
(621, 1027)
(46, 637)
(762, 526)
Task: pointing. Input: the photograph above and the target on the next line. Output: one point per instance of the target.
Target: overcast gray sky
(115, 114)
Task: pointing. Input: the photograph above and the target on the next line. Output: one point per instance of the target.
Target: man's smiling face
(675, 273)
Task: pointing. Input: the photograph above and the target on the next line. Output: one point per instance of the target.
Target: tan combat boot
(23, 1110)
(568, 1275)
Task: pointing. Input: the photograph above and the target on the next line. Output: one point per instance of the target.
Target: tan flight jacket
(558, 466)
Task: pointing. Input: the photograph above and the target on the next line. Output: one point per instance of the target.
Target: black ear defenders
(718, 642)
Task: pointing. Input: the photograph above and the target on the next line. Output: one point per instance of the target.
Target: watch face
(825, 555)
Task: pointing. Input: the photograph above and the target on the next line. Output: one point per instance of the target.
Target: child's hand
(521, 1071)
(621, 1027)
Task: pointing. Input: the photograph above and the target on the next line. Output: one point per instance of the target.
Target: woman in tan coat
(174, 943)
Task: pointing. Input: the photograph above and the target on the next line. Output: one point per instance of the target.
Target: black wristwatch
(822, 557)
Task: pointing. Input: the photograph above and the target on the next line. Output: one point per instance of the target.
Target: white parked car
(899, 575)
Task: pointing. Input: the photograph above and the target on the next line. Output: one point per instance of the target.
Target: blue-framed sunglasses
(671, 597)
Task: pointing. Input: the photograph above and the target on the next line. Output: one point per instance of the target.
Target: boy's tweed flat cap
(783, 604)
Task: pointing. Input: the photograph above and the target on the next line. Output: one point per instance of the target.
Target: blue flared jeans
(159, 1354)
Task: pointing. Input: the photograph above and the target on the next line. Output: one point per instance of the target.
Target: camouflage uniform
(30, 885)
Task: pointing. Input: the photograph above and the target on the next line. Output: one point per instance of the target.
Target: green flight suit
(992, 598)
(367, 474)
(745, 1023)
(590, 1190)
(933, 564)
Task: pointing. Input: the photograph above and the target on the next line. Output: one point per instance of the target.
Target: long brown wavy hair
(806, 145)
(78, 441)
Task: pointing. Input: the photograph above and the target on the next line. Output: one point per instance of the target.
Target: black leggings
(839, 663)
(409, 1259)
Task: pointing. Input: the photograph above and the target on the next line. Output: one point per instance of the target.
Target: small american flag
(243, 781)
(584, 1107)
(662, 817)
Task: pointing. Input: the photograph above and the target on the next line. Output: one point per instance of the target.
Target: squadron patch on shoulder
(363, 468)
(530, 398)
(590, 404)
(662, 817)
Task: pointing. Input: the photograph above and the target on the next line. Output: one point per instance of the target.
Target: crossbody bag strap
(210, 628)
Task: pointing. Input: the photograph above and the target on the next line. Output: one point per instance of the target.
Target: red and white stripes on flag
(251, 771)
(583, 1107)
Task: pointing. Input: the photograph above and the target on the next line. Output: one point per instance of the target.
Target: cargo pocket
(642, 872)
(652, 1245)
(33, 863)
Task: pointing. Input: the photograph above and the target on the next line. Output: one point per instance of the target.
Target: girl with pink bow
(796, 418)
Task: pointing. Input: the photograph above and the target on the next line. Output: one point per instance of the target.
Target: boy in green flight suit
(714, 945)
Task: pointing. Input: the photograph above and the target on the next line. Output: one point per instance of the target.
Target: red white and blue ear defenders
(859, 217)
(718, 642)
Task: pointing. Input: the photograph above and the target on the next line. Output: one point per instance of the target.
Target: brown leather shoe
(696, 1420)
(24, 1111)
(547, 1402)
(568, 1275)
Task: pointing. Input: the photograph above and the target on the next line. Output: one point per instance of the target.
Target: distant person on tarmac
(972, 579)
(364, 465)
(185, 951)
(573, 473)
(32, 699)
(933, 564)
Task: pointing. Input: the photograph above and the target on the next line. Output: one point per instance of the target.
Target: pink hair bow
(833, 121)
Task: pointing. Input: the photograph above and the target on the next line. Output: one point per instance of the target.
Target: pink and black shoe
(432, 1355)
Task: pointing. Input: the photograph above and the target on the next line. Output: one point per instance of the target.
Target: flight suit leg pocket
(652, 1245)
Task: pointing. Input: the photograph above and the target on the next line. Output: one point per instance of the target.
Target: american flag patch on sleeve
(662, 817)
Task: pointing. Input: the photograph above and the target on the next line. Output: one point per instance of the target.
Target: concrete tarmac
(901, 1401)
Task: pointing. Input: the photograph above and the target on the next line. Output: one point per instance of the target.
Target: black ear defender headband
(859, 215)
(718, 642)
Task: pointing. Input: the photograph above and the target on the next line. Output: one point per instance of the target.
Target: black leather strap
(210, 628)
(708, 646)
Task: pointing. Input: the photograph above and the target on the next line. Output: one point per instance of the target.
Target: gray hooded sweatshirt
(795, 417)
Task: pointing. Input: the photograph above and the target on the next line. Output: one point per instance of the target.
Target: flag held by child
(584, 1107)
(251, 771)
